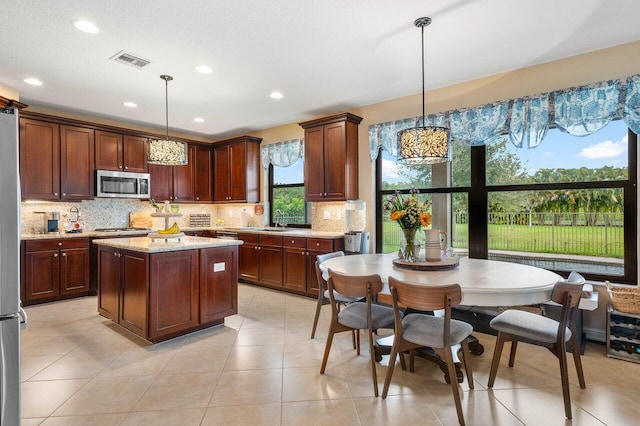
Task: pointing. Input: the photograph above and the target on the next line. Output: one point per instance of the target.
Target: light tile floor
(261, 368)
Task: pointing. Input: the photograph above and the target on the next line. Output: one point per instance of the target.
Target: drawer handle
(64, 254)
(317, 244)
(59, 243)
(55, 255)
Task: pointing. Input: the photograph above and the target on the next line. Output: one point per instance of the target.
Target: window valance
(578, 111)
(282, 154)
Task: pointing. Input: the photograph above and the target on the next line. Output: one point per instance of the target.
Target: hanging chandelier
(167, 152)
(424, 144)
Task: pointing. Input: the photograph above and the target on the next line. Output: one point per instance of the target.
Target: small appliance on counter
(50, 221)
(355, 239)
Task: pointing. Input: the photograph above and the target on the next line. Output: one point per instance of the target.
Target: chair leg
(564, 376)
(353, 338)
(466, 358)
(403, 364)
(412, 360)
(315, 320)
(357, 342)
(512, 354)
(446, 354)
(390, 367)
(497, 353)
(372, 354)
(575, 349)
(327, 348)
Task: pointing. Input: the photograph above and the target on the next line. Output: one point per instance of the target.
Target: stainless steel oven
(122, 184)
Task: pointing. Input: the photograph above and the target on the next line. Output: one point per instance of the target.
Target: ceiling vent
(129, 59)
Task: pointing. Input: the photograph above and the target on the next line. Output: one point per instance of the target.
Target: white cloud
(606, 149)
(390, 168)
(548, 154)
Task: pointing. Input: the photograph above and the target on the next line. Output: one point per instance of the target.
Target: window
(287, 203)
(569, 204)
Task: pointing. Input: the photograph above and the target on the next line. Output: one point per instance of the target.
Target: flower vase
(409, 250)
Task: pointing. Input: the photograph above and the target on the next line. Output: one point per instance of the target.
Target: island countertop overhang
(147, 245)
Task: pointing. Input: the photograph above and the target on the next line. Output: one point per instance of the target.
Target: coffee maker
(355, 239)
(50, 222)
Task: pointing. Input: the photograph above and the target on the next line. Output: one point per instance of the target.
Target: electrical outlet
(326, 214)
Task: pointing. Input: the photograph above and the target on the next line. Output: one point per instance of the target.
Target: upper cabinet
(56, 161)
(331, 158)
(236, 165)
(203, 179)
(174, 183)
(118, 152)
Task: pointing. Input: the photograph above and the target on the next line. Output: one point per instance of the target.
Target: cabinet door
(161, 182)
(335, 160)
(183, 182)
(312, 279)
(135, 152)
(77, 163)
(109, 283)
(173, 292)
(314, 168)
(108, 151)
(248, 266)
(270, 260)
(218, 283)
(39, 160)
(203, 179)
(295, 269)
(221, 177)
(133, 292)
(74, 271)
(42, 274)
(237, 172)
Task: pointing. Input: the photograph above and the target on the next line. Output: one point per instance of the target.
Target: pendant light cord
(166, 102)
(423, 105)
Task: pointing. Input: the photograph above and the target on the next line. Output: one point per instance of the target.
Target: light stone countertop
(288, 232)
(146, 245)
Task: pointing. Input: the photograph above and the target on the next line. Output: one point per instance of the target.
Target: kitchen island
(160, 290)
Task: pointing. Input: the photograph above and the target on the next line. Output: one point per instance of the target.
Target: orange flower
(425, 219)
(396, 215)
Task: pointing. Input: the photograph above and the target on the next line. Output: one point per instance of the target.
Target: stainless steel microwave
(122, 184)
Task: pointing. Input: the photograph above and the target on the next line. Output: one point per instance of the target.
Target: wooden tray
(444, 264)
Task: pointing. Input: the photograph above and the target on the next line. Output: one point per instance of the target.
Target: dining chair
(323, 293)
(417, 330)
(515, 325)
(361, 315)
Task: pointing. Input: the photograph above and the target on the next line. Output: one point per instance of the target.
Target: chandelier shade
(424, 144)
(167, 152)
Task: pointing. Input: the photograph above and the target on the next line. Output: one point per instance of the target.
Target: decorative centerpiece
(411, 215)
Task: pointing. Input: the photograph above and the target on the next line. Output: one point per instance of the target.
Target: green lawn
(579, 240)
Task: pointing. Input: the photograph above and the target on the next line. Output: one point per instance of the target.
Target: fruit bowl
(155, 236)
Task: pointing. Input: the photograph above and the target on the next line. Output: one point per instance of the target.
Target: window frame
(478, 196)
(288, 185)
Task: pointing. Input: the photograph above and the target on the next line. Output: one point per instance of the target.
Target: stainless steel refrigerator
(11, 315)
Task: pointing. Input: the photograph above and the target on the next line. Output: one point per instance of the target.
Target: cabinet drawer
(271, 240)
(294, 242)
(62, 243)
(248, 238)
(319, 244)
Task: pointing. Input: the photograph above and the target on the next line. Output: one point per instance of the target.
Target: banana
(173, 229)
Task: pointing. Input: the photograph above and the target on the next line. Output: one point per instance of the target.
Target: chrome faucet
(281, 222)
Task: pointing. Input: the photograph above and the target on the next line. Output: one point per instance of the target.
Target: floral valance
(578, 111)
(282, 154)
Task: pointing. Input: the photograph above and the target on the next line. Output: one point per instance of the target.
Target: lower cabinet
(163, 295)
(54, 269)
(283, 261)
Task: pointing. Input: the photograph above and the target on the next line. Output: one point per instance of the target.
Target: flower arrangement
(408, 211)
(410, 214)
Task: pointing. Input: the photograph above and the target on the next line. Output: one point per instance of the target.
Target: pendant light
(167, 152)
(424, 144)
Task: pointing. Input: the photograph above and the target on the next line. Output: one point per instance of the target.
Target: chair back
(319, 259)
(354, 286)
(568, 295)
(426, 297)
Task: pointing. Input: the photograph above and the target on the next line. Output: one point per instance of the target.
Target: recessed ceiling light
(130, 104)
(203, 69)
(198, 120)
(33, 81)
(86, 26)
(276, 95)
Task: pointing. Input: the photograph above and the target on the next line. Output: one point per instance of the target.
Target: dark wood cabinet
(203, 176)
(331, 158)
(174, 183)
(315, 247)
(294, 253)
(173, 292)
(118, 152)
(248, 266)
(77, 164)
(261, 259)
(39, 160)
(236, 165)
(218, 299)
(54, 269)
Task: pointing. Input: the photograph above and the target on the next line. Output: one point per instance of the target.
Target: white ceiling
(325, 56)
